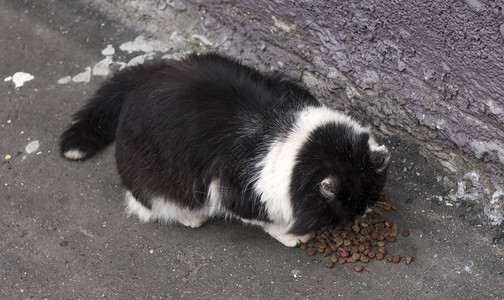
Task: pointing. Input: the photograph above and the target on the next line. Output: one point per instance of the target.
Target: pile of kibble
(359, 241)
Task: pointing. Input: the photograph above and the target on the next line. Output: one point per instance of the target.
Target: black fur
(334, 151)
(180, 125)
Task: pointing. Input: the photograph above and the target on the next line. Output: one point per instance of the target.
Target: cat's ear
(379, 158)
(328, 187)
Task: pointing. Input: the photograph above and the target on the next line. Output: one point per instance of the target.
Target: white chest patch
(276, 168)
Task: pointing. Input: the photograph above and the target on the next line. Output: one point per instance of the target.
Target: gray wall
(429, 71)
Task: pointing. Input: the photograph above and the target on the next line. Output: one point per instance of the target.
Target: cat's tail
(94, 126)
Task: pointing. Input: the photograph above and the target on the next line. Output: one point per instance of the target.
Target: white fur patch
(133, 207)
(274, 179)
(167, 212)
(74, 154)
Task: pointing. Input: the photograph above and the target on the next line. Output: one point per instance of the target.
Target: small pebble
(405, 232)
(64, 243)
(409, 258)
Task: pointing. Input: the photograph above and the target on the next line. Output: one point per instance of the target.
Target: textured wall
(432, 71)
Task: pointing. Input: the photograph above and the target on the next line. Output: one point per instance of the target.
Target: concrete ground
(64, 234)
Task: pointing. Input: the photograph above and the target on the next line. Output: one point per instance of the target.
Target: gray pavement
(64, 234)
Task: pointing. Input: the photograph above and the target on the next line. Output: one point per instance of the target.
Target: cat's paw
(192, 221)
(279, 232)
(291, 240)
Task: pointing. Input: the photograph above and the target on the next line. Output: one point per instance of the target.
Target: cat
(208, 136)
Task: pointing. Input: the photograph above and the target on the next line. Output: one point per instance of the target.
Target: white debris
(143, 45)
(32, 147)
(84, 76)
(202, 39)
(108, 51)
(19, 78)
(65, 80)
(137, 60)
(102, 68)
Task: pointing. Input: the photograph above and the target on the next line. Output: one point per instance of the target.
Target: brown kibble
(342, 260)
(362, 239)
(364, 259)
(357, 268)
(405, 232)
(389, 257)
(380, 237)
(381, 244)
(311, 244)
(320, 250)
(379, 256)
(371, 254)
(342, 252)
(338, 241)
(374, 243)
(362, 248)
(334, 259)
(356, 256)
(350, 260)
(347, 242)
(377, 211)
(366, 268)
(329, 265)
(391, 239)
(382, 250)
(395, 206)
(303, 246)
(332, 246)
(409, 258)
(327, 252)
(356, 228)
(396, 259)
(311, 252)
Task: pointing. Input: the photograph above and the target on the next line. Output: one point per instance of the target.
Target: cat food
(359, 241)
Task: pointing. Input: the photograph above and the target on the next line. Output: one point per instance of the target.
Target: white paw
(305, 238)
(279, 232)
(193, 222)
(291, 240)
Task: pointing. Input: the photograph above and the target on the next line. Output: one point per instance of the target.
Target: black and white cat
(208, 136)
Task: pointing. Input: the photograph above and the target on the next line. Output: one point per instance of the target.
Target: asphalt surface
(64, 233)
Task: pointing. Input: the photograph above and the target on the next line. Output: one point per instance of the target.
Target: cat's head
(338, 174)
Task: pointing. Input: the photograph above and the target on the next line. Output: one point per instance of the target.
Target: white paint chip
(143, 45)
(102, 68)
(202, 39)
(108, 51)
(64, 80)
(140, 59)
(19, 78)
(32, 147)
(84, 76)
